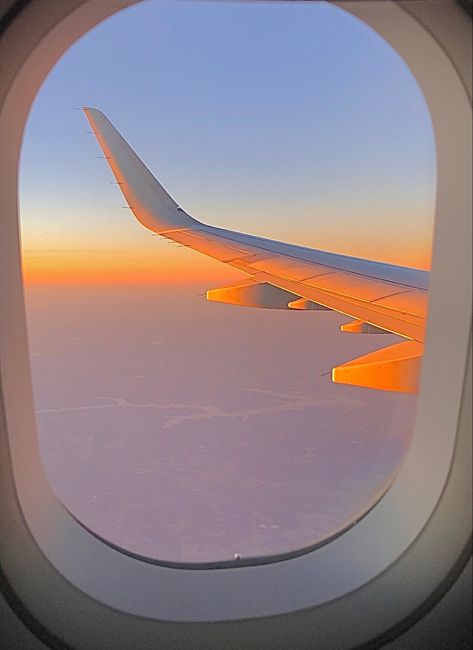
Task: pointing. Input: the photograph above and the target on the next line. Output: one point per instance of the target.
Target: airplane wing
(379, 297)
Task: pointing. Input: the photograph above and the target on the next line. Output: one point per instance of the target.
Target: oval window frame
(90, 573)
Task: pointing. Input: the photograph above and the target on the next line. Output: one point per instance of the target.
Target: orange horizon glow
(79, 266)
(120, 267)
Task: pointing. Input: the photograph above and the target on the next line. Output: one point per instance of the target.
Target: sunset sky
(297, 123)
(183, 429)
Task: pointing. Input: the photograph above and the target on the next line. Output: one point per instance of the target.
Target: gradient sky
(296, 122)
(184, 429)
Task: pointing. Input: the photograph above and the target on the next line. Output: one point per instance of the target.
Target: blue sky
(291, 120)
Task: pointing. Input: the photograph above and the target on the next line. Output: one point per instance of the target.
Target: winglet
(146, 197)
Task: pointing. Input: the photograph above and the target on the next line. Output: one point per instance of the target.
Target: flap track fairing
(395, 368)
(253, 294)
(303, 304)
(361, 327)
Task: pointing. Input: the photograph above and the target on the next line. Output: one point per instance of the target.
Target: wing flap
(412, 302)
(349, 284)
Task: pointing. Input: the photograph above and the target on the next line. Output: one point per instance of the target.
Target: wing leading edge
(379, 297)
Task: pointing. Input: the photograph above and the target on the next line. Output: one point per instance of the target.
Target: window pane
(187, 430)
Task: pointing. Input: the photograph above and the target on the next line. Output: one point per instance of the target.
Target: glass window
(187, 430)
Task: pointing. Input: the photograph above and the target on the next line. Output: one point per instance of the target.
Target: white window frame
(404, 548)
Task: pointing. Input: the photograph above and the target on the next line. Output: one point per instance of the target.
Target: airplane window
(204, 395)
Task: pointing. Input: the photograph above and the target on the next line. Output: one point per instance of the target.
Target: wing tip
(91, 111)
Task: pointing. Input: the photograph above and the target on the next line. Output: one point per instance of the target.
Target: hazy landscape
(190, 431)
